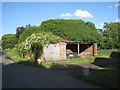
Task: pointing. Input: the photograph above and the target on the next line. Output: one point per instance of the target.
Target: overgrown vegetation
(75, 30)
(34, 44)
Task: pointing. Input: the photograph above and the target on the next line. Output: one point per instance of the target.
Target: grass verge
(106, 53)
(104, 77)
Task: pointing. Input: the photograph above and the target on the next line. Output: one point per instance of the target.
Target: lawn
(103, 77)
(106, 53)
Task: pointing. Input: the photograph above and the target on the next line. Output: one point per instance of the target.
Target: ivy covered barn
(47, 46)
(69, 49)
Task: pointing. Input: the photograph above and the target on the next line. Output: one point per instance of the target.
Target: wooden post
(78, 48)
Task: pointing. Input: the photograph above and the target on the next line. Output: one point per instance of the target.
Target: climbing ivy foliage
(35, 43)
(71, 29)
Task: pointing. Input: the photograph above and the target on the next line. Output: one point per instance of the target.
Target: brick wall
(94, 49)
(90, 51)
(63, 50)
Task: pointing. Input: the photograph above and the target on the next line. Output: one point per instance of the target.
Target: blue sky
(15, 14)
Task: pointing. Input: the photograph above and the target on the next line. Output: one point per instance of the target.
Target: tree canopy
(9, 41)
(111, 36)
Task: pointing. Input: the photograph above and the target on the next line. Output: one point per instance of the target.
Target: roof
(76, 41)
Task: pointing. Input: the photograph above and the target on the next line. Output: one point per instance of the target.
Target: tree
(20, 30)
(111, 36)
(0, 44)
(91, 25)
(9, 41)
(27, 32)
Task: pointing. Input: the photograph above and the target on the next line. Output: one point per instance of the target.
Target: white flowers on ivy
(42, 38)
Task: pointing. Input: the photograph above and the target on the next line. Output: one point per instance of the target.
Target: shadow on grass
(29, 63)
(66, 68)
(113, 60)
(104, 77)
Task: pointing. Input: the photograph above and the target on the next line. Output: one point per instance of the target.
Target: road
(19, 76)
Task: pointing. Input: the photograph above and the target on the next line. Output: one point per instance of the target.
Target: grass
(104, 77)
(106, 53)
(14, 55)
(73, 61)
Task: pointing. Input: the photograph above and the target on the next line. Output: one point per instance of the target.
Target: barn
(69, 49)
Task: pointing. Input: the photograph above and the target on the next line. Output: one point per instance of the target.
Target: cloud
(102, 24)
(82, 14)
(68, 14)
(115, 5)
(62, 15)
(65, 15)
(118, 20)
(67, 18)
(109, 6)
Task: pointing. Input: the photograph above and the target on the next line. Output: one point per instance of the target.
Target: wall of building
(55, 51)
(94, 49)
(63, 50)
(51, 52)
(58, 51)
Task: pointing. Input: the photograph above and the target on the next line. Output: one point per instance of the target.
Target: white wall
(51, 52)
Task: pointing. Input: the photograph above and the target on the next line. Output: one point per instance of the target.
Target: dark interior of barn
(74, 47)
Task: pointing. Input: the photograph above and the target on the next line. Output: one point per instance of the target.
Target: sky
(17, 14)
